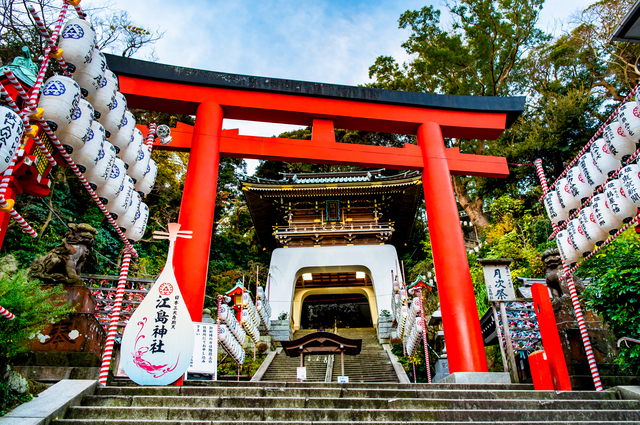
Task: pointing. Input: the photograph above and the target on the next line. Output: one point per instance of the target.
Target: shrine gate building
(212, 96)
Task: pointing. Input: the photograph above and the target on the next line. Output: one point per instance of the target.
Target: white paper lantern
(608, 222)
(136, 232)
(99, 174)
(59, 99)
(630, 179)
(132, 152)
(102, 99)
(110, 190)
(619, 205)
(145, 185)
(605, 162)
(580, 188)
(589, 224)
(567, 200)
(10, 136)
(554, 209)
(112, 120)
(75, 134)
(589, 170)
(567, 251)
(629, 120)
(89, 77)
(123, 200)
(87, 157)
(618, 141)
(126, 220)
(578, 238)
(123, 137)
(138, 170)
(77, 41)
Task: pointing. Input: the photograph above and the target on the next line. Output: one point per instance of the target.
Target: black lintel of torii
(322, 343)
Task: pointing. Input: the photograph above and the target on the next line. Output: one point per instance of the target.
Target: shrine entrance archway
(212, 96)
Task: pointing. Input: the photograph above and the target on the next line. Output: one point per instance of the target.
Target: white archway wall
(302, 293)
(287, 264)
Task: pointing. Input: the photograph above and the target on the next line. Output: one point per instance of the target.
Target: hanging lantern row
(250, 318)
(231, 335)
(264, 308)
(409, 315)
(601, 194)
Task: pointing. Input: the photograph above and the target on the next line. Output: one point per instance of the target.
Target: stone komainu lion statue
(62, 265)
(553, 272)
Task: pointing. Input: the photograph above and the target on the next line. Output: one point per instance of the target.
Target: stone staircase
(371, 365)
(248, 403)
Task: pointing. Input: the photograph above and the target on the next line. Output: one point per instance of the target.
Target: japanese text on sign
(498, 281)
(205, 349)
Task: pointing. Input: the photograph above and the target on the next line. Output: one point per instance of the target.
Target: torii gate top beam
(166, 88)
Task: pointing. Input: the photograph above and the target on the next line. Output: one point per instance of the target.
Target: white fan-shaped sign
(157, 343)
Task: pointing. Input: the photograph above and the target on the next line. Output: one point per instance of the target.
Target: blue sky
(327, 41)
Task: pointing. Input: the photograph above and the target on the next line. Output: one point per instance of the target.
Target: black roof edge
(512, 106)
(632, 16)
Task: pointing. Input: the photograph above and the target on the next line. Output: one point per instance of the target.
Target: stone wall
(281, 330)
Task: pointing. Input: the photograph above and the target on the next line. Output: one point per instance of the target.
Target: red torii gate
(212, 96)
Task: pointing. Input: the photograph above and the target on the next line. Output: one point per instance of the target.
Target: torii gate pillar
(455, 289)
(191, 257)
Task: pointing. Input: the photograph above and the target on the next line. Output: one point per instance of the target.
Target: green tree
(481, 54)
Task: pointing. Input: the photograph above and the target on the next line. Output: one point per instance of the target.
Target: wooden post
(342, 362)
(507, 335)
(499, 335)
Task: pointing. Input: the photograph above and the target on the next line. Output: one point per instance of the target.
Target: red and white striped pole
(6, 313)
(115, 318)
(574, 295)
(50, 39)
(151, 135)
(424, 336)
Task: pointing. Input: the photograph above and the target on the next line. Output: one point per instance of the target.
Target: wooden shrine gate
(212, 96)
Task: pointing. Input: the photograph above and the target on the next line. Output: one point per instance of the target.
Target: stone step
(346, 415)
(177, 422)
(353, 403)
(335, 391)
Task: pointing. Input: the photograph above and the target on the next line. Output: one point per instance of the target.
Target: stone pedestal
(281, 330)
(75, 342)
(384, 329)
(442, 369)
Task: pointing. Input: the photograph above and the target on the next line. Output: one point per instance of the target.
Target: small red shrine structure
(212, 96)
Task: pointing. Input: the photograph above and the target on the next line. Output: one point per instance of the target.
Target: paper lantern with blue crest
(102, 99)
(132, 152)
(110, 190)
(136, 232)
(112, 120)
(145, 186)
(138, 170)
(89, 77)
(123, 137)
(77, 41)
(123, 200)
(126, 220)
(59, 100)
(87, 157)
(99, 174)
(75, 134)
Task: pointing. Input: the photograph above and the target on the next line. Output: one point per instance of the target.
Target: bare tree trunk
(473, 208)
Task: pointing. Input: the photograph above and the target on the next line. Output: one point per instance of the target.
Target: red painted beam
(171, 97)
(325, 152)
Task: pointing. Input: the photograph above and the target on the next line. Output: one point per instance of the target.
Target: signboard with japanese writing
(301, 373)
(497, 277)
(205, 349)
(157, 343)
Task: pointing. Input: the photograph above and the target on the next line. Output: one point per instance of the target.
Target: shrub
(614, 292)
